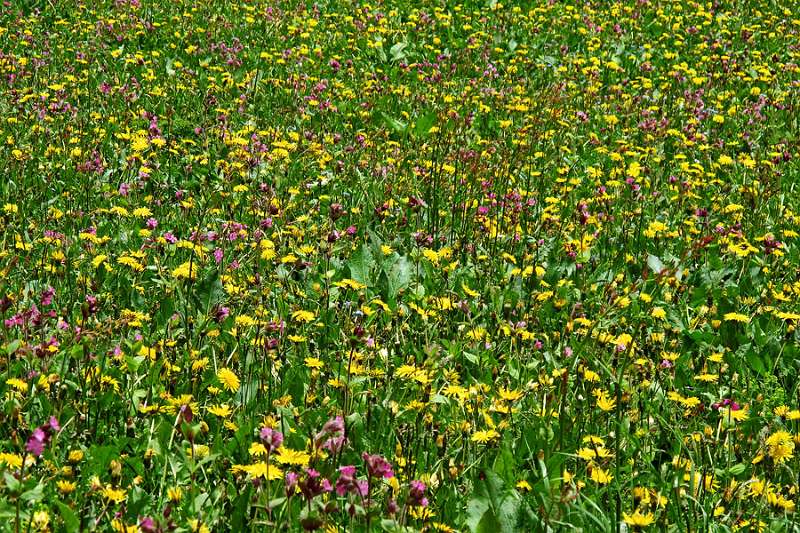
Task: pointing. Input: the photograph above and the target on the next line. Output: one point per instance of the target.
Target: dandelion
(736, 317)
(637, 519)
(780, 446)
(228, 379)
(485, 436)
(303, 316)
(600, 476)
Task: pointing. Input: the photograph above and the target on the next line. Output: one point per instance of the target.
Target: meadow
(431, 265)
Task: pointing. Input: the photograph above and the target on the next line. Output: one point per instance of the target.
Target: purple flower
(348, 482)
(416, 494)
(334, 444)
(271, 438)
(41, 436)
(221, 314)
(332, 428)
(47, 296)
(35, 443)
(291, 483)
(148, 525)
(346, 479)
(377, 466)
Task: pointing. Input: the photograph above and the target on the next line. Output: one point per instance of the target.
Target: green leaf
(12, 483)
(239, 513)
(210, 291)
(505, 464)
(394, 124)
(476, 508)
(360, 265)
(736, 469)
(381, 51)
(424, 124)
(396, 51)
(134, 363)
(655, 263)
(488, 523)
(387, 524)
(399, 276)
(34, 495)
(508, 514)
(756, 361)
(494, 509)
(12, 346)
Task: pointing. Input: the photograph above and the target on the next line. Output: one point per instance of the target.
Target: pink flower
(416, 494)
(271, 438)
(377, 466)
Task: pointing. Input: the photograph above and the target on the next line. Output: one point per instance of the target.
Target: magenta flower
(416, 494)
(271, 438)
(41, 436)
(377, 466)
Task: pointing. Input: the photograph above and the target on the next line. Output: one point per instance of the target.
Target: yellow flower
(485, 436)
(18, 384)
(187, 270)
(228, 379)
(637, 519)
(257, 449)
(780, 446)
(197, 526)
(600, 476)
(114, 495)
(736, 317)
(65, 487)
(222, 410)
(303, 316)
(139, 143)
(174, 494)
(288, 456)
(11, 459)
(509, 395)
(261, 469)
(313, 362)
(604, 402)
(524, 486)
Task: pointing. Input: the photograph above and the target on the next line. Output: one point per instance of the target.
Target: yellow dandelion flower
(287, 456)
(780, 446)
(221, 410)
(228, 379)
(637, 519)
(484, 436)
(736, 317)
(600, 476)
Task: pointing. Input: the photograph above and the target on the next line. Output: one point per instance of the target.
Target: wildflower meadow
(405, 265)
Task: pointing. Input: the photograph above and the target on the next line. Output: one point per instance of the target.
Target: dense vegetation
(429, 265)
